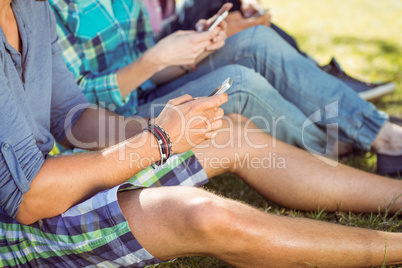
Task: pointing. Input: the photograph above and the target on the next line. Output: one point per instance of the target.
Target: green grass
(365, 37)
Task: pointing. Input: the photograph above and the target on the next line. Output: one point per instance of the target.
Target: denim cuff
(371, 126)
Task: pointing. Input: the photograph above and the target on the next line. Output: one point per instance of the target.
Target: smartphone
(218, 20)
(222, 87)
(221, 15)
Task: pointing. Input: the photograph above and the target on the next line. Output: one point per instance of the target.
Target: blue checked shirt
(97, 42)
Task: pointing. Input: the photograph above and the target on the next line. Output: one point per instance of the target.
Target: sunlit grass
(365, 36)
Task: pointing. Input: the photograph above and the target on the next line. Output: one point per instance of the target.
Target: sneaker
(368, 91)
(389, 165)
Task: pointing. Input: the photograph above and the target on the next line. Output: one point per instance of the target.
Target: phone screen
(225, 7)
(222, 87)
(218, 20)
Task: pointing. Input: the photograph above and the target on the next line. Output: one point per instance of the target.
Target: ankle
(389, 140)
(342, 148)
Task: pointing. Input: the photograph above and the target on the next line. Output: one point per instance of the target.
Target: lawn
(365, 37)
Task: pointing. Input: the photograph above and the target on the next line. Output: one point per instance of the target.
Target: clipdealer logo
(332, 134)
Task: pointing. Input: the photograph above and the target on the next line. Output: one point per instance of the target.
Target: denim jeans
(272, 80)
(189, 12)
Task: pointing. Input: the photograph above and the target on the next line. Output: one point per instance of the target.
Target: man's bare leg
(182, 221)
(305, 182)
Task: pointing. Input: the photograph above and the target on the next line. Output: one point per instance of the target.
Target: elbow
(30, 210)
(25, 217)
(25, 220)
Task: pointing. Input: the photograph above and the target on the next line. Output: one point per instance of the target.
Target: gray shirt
(36, 93)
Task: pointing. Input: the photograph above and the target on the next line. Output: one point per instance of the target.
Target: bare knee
(198, 213)
(237, 119)
(242, 126)
(208, 216)
(185, 219)
(245, 141)
(234, 126)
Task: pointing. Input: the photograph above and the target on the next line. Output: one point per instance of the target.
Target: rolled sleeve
(20, 157)
(19, 165)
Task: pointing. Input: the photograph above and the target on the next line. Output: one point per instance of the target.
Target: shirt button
(6, 146)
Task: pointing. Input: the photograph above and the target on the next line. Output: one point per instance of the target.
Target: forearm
(178, 49)
(98, 129)
(172, 72)
(168, 74)
(133, 75)
(65, 181)
(146, 67)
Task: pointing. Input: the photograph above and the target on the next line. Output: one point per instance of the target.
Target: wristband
(163, 140)
(166, 137)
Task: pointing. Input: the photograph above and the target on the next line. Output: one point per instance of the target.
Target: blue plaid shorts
(93, 233)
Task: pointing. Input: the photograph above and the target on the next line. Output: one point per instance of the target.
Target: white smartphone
(220, 16)
(222, 87)
(218, 20)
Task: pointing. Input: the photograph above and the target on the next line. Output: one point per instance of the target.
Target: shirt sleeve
(20, 158)
(68, 102)
(98, 87)
(145, 34)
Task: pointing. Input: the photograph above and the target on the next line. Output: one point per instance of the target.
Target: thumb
(200, 26)
(180, 100)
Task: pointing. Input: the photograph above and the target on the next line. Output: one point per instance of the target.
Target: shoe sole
(378, 92)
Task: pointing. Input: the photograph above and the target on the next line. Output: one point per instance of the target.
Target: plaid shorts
(94, 232)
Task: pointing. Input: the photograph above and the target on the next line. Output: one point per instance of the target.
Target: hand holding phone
(222, 13)
(218, 20)
(222, 87)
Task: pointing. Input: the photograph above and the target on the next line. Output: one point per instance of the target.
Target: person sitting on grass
(245, 14)
(96, 209)
(109, 48)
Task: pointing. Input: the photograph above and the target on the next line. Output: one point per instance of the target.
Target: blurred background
(365, 36)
